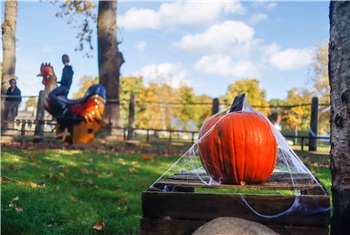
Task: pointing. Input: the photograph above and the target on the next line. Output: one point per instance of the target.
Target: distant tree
(339, 64)
(320, 81)
(84, 83)
(9, 49)
(255, 95)
(31, 102)
(185, 111)
(157, 103)
(203, 112)
(299, 116)
(130, 84)
(319, 74)
(276, 107)
(155, 111)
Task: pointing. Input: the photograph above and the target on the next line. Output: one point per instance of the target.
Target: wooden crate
(82, 133)
(183, 210)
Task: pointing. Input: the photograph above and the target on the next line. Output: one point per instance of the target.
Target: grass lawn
(69, 191)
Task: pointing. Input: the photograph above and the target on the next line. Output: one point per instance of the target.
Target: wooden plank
(264, 186)
(277, 181)
(275, 177)
(211, 205)
(187, 227)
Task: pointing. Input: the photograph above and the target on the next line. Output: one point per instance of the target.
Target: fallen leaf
(73, 199)
(90, 181)
(111, 174)
(122, 161)
(84, 171)
(132, 169)
(15, 199)
(30, 183)
(242, 183)
(18, 209)
(146, 157)
(13, 202)
(56, 179)
(124, 200)
(12, 167)
(99, 225)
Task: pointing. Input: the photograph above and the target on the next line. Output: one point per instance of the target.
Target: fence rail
(26, 128)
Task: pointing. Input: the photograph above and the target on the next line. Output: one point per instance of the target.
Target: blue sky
(205, 44)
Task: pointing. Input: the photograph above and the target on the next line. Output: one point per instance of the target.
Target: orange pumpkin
(240, 148)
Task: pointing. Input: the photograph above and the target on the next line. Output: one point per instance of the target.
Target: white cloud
(141, 45)
(258, 18)
(288, 59)
(218, 38)
(265, 5)
(139, 18)
(174, 13)
(172, 74)
(221, 65)
(46, 49)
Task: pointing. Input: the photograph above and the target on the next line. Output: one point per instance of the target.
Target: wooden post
(215, 108)
(147, 137)
(170, 132)
(40, 115)
(23, 130)
(132, 106)
(302, 143)
(313, 125)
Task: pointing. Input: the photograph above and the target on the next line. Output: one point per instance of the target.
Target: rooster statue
(85, 114)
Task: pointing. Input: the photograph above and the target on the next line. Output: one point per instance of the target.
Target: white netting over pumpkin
(288, 174)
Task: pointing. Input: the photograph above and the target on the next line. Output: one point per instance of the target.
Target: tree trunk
(9, 49)
(339, 78)
(109, 60)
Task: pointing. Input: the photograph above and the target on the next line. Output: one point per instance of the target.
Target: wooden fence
(27, 129)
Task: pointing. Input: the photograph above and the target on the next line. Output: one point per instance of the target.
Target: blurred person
(63, 89)
(12, 101)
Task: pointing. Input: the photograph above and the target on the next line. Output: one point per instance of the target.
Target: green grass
(76, 190)
(69, 191)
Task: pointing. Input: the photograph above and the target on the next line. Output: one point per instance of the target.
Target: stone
(233, 226)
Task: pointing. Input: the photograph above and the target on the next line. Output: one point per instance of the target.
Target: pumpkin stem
(237, 104)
